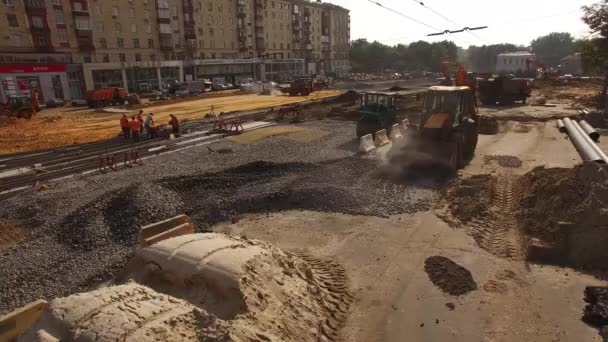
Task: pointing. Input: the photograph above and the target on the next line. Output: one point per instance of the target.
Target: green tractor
(378, 111)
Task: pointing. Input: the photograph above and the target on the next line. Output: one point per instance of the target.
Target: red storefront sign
(25, 69)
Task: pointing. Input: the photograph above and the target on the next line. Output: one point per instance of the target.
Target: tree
(550, 49)
(596, 16)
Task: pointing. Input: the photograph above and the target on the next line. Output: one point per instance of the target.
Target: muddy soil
(554, 215)
(450, 277)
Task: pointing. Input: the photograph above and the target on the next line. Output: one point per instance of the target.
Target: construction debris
(504, 161)
(450, 277)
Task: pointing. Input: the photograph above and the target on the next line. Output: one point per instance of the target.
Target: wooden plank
(153, 229)
(184, 229)
(16, 322)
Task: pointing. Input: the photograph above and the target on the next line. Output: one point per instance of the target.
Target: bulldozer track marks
(500, 233)
(332, 283)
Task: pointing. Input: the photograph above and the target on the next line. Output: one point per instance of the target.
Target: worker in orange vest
(135, 127)
(124, 125)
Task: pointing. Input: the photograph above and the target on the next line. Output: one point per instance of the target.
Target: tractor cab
(449, 117)
(448, 104)
(19, 106)
(377, 111)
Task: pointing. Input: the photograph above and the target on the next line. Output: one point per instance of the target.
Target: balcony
(259, 4)
(80, 8)
(85, 45)
(166, 47)
(240, 13)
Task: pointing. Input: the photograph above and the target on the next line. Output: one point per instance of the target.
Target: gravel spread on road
(82, 231)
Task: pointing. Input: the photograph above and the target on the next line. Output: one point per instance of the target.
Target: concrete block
(395, 133)
(366, 143)
(380, 138)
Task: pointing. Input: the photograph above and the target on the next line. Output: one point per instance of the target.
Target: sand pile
(209, 287)
(468, 199)
(558, 215)
(567, 209)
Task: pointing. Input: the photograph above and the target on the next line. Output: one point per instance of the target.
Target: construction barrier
(132, 157)
(381, 139)
(366, 144)
(107, 163)
(395, 133)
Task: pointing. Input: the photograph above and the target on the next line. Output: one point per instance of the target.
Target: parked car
(55, 102)
(217, 87)
(79, 102)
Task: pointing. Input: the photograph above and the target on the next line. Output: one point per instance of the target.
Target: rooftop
(517, 53)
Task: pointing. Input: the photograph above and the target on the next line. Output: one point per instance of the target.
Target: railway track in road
(21, 171)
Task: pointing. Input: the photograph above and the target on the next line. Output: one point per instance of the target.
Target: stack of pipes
(582, 136)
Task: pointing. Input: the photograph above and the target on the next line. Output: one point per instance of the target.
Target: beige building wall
(14, 38)
(124, 30)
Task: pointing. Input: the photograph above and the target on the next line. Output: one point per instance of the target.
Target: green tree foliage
(596, 16)
(550, 49)
(595, 51)
(376, 57)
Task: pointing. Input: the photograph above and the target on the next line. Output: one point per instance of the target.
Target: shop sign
(26, 69)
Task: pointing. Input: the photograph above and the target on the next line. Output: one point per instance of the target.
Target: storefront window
(142, 80)
(107, 78)
(168, 74)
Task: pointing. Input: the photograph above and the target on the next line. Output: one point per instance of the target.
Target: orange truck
(107, 97)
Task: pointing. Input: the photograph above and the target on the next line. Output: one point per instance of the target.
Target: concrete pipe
(589, 130)
(561, 127)
(583, 148)
(590, 142)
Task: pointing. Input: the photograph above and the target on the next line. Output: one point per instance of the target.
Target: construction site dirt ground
(385, 257)
(384, 252)
(58, 127)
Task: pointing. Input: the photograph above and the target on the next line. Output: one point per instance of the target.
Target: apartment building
(61, 48)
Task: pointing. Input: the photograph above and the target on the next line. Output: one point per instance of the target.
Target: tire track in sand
(499, 233)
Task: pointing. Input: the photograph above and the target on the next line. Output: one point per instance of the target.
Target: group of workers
(132, 129)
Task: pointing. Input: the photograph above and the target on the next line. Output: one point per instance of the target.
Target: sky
(508, 21)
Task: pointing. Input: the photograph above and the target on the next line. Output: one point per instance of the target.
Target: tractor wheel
(26, 113)
(455, 158)
(470, 143)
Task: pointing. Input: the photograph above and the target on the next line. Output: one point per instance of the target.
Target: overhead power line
(432, 10)
(403, 15)
(416, 20)
(449, 20)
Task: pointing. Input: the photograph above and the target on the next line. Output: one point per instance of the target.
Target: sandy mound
(129, 313)
(557, 215)
(566, 209)
(221, 288)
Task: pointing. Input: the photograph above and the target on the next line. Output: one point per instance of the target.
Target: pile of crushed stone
(88, 245)
(279, 296)
(450, 277)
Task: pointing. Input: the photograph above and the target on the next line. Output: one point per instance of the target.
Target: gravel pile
(82, 231)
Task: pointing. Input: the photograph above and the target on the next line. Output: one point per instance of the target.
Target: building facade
(142, 44)
(515, 62)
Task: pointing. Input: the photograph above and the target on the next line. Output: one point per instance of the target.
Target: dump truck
(104, 97)
(504, 91)
(186, 286)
